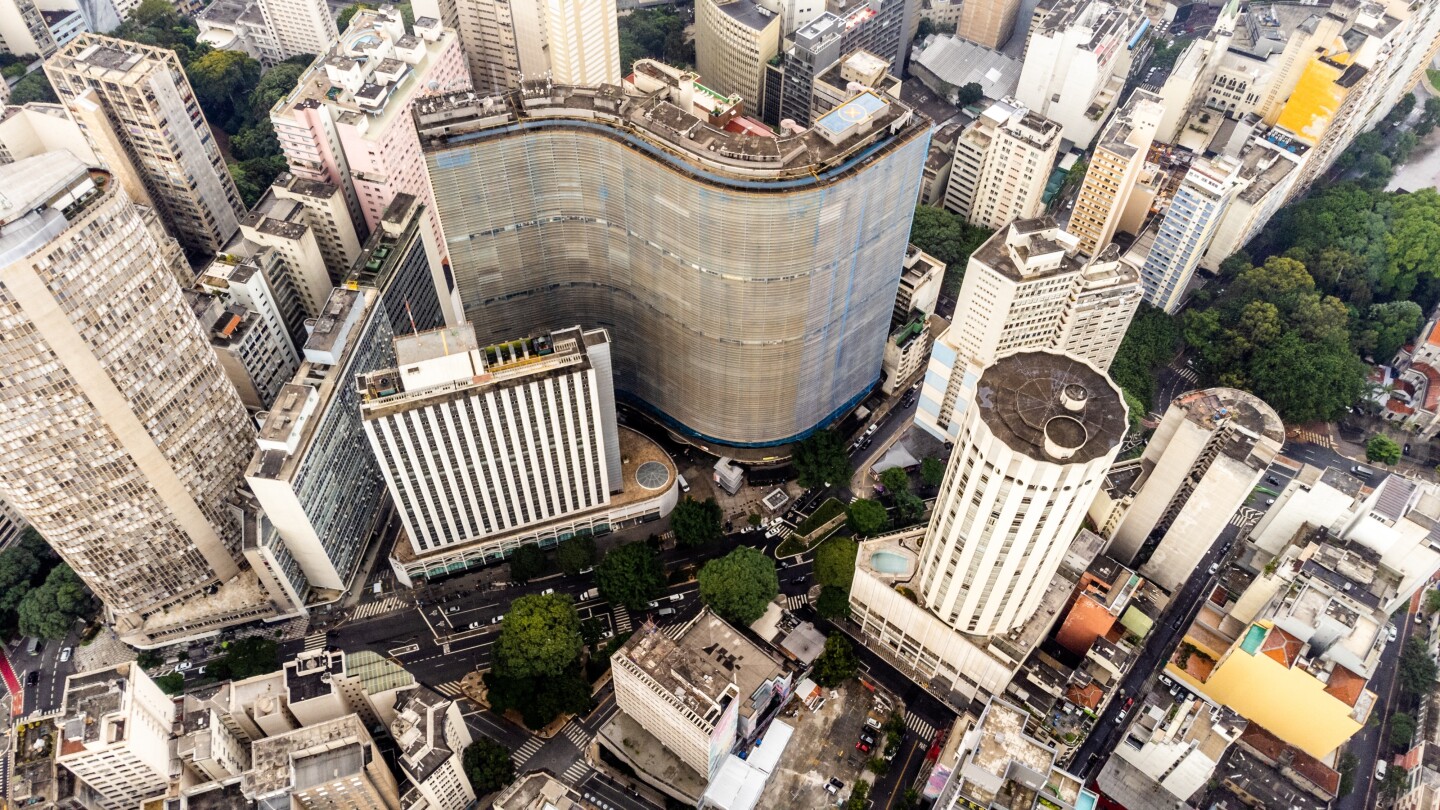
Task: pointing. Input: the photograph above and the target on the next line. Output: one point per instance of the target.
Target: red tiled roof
(1434, 337)
(1345, 686)
(1432, 384)
(1274, 751)
(1282, 646)
(1088, 696)
(1406, 386)
(1396, 406)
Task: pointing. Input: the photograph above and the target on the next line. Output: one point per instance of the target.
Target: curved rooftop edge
(841, 140)
(1236, 407)
(1051, 406)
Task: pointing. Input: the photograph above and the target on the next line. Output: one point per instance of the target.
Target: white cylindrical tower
(1042, 431)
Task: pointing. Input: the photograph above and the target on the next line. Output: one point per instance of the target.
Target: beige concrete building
(36, 128)
(567, 41)
(141, 117)
(300, 26)
(1027, 287)
(1114, 168)
(988, 22)
(1210, 451)
(129, 378)
(281, 224)
(998, 760)
(114, 735)
(322, 208)
(236, 305)
(1002, 162)
(734, 39)
(919, 285)
(699, 695)
(431, 736)
(334, 765)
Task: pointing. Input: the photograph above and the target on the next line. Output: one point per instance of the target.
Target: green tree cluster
(820, 458)
(932, 471)
(696, 523)
(837, 663)
(1382, 450)
(1417, 668)
(834, 571)
(34, 86)
(246, 658)
(908, 506)
(172, 683)
(50, 611)
(538, 669)
(488, 765)
(739, 585)
(867, 517)
(1151, 342)
(576, 554)
(630, 575)
(526, 563)
(1275, 334)
(1402, 731)
(859, 796)
(657, 33)
(948, 238)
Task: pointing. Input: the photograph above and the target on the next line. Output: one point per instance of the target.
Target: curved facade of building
(748, 280)
(1035, 446)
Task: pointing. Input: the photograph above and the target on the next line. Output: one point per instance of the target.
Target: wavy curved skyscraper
(747, 278)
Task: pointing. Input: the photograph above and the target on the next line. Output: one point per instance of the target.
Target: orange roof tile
(1434, 338)
(1345, 686)
(1282, 646)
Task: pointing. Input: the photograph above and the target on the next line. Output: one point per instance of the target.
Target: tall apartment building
(1115, 166)
(282, 226)
(313, 475)
(96, 322)
(1002, 163)
(321, 206)
(36, 128)
(813, 50)
(1032, 455)
(431, 736)
(1267, 175)
(539, 417)
(1208, 454)
(734, 40)
(38, 29)
(771, 372)
(402, 261)
(347, 123)
(698, 695)
(1184, 234)
(567, 41)
(1076, 63)
(330, 766)
(115, 735)
(988, 22)
(141, 116)
(1025, 288)
(300, 26)
(998, 756)
(235, 302)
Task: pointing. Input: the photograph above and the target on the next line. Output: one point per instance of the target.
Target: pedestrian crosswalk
(450, 689)
(921, 728)
(576, 734)
(1245, 517)
(314, 641)
(389, 604)
(526, 751)
(622, 620)
(1312, 437)
(576, 773)
(797, 602)
(1187, 374)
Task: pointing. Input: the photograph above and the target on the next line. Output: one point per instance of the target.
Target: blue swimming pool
(888, 562)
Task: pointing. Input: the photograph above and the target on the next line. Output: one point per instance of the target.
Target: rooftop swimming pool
(888, 562)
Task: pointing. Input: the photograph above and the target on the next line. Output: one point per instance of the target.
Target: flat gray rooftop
(1028, 400)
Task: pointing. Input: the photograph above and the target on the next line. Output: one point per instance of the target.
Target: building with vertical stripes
(493, 446)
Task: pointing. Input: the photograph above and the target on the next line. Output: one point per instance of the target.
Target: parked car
(833, 786)
(66, 651)
(1380, 769)
(182, 666)
(677, 597)
(498, 619)
(862, 747)
(1120, 718)
(454, 609)
(473, 625)
(547, 592)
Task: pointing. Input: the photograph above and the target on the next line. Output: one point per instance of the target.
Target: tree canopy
(868, 517)
(1417, 668)
(1382, 450)
(895, 481)
(834, 603)
(932, 471)
(540, 637)
(488, 765)
(657, 33)
(837, 663)
(739, 585)
(696, 523)
(526, 563)
(34, 86)
(246, 658)
(630, 575)
(50, 610)
(821, 458)
(1150, 343)
(948, 238)
(835, 562)
(576, 554)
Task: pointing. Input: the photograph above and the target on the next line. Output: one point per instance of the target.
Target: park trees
(1382, 449)
(526, 563)
(537, 669)
(488, 765)
(696, 523)
(739, 585)
(820, 459)
(868, 517)
(630, 575)
(837, 663)
(50, 610)
(576, 554)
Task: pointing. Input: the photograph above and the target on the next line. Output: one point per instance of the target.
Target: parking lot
(823, 749)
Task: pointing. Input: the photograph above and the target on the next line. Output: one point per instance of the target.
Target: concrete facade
(1002, 162)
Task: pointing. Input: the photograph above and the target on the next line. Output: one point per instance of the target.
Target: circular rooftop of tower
(1052, 407)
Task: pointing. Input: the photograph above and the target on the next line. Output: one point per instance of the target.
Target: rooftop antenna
(414, 330)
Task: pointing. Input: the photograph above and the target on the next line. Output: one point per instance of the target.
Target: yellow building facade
(1316, 100)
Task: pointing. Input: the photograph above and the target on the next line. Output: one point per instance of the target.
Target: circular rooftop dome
(652, 475)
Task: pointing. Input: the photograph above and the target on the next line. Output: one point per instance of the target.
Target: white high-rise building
(300, 26)
(1076, 62)
(1030, 458)
(1002, 162)
(477, 441)
(1025, 288)
(235, 303)
(570, 41)
(1184, 234)
(121, 440)
(114, 735)
(431, 736)
(1116, 165)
